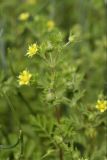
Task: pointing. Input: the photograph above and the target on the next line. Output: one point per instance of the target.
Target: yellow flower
(31, 1)
(50, 25)
(24, 77)
(101, 105)
(24, 16)
(32, 50)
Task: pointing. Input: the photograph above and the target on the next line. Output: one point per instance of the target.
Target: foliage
(52, 72)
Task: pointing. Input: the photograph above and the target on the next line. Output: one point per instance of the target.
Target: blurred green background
(88, 56)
